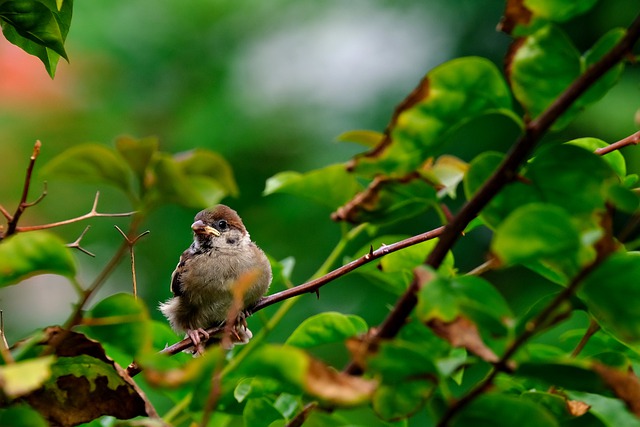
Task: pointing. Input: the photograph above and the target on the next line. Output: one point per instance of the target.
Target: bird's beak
(199, 227)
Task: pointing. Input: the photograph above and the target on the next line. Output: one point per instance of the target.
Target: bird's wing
(176, 281)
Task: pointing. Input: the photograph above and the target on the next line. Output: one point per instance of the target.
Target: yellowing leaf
(20, 378)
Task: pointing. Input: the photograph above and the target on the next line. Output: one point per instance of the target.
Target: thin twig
(212, 398)
(630, 140)
(76, 244)
(7, 357)
(302, 416)
(591, 331)
(5, 213)
(23, 204)
(131, 243)
(76, 316)
(93, 213)
(313, 285)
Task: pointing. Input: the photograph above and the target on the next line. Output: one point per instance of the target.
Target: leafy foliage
(543, 332)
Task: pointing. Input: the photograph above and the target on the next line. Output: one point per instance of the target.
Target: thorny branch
(310, 287)
(131, 243)
(76, 243)
(93, 213)
(23, 205)
(505, 173)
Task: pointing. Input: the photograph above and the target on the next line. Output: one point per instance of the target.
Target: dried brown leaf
(418, 94)
(577, 408)
(625, 385)
(337, 387)
(462, 332)
(69, 400)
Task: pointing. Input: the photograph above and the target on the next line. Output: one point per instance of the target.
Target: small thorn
(318, 293)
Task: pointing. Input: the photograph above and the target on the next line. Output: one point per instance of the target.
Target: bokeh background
(269, 85)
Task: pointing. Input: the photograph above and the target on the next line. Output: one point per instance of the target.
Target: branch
(630, 140)
(532, 328)
(76, 244)
(13, 219)
(93, 213)
(506, 172)
(314, 285)
(131, 243)
(309, 287)
(76, 316)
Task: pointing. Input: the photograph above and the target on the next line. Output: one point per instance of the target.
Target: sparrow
(222, 257)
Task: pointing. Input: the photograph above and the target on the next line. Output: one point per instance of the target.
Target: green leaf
(409, 258)
(496, 410)
(387, 201)
(297, 372)
(612, 412)
(623, 198)
(401, 360)
(330, 186)
(571, 177)
(512, 196)
(260, 412)
(559, 10)
(571, 375)
(21, 378)
(91, 162)
(368, 138)
(38, 27)
(137, 153)
(615, 159)
(608, 292)
(28, 254)
(472, 297)
(122, 322)
(21, 416)
(325, 328)
(536, 231)
(451, 95)
(547, 52)
(393, 402)
(606, 82)
(207, 165)
(167, 183)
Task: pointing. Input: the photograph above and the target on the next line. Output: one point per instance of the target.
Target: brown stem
(591, 330)
(13, 221)
(76, 316)
(302, 416)
(316, 284)
(93, 213)
(630, 140)
(131, 243)
(507, 171)
(212, 398)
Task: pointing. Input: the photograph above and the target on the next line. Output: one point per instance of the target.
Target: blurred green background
(269, 85)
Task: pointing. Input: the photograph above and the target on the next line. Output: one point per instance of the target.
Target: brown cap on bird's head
(217, 219)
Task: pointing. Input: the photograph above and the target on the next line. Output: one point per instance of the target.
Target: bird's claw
(198, 344)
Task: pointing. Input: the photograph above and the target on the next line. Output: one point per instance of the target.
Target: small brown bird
(221, 256)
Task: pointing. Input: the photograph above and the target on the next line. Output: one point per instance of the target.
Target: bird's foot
(198, 344)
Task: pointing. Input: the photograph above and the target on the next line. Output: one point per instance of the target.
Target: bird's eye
(222, 225)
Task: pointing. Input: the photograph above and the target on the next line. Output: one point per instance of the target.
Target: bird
(219, 262)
